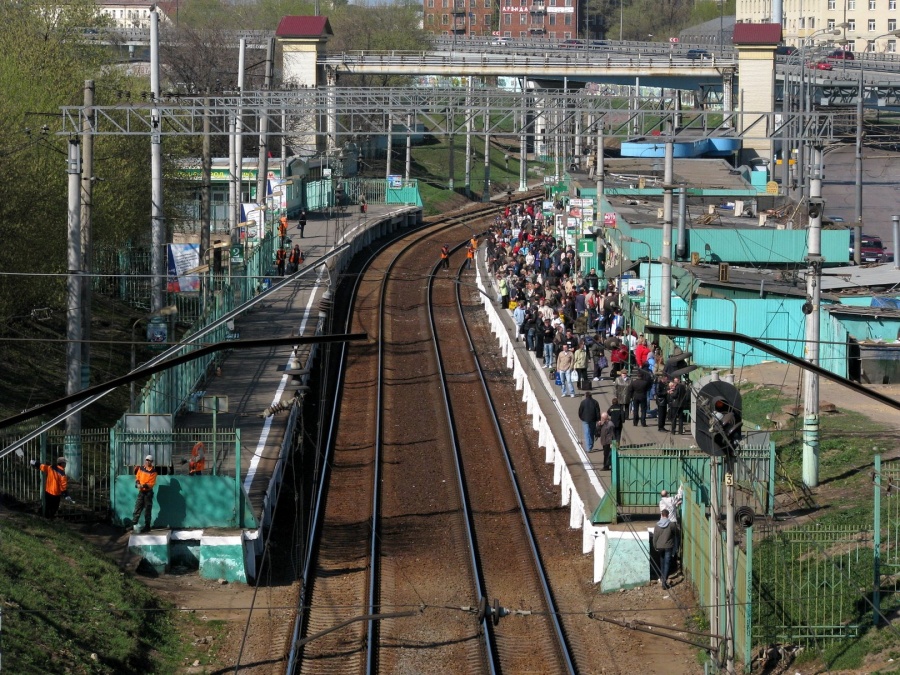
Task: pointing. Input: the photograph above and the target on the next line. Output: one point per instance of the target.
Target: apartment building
(866, 25)
(518, 19)
(460, 17)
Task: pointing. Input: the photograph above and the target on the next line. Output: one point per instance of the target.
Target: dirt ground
(271, 620)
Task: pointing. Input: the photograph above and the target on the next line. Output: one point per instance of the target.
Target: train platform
(253, 392)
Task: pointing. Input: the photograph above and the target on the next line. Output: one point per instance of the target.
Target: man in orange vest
(282, 227)
(198, 460)
(56, 485)
(470, 256)
(445, 256)
(280, 257)
(145, 480)
(295, 258)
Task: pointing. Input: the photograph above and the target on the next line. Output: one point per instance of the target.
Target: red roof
(303, 26)
(757, 34)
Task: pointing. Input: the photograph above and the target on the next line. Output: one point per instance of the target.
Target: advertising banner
(183, 257)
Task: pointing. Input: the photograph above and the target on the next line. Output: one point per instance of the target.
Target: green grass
(68, 609)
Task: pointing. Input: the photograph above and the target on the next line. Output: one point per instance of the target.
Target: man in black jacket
(637, 392)
(618, 415)
(589, 414)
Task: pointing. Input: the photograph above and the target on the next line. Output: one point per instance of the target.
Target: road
(881, 194)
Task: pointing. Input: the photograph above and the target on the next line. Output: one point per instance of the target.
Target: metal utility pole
(715, 548)
(262, 165)
(730, 631)
(600, 165)
(390, 145)
(409, 132)
(239, 141)
(895, 226)
(74, 310)
(87, 202)
(858, 220)
(469, 137)
(206, 180)
(665, 258)
(486, 192)
(157, 224)
(811, 309)
(523, 144)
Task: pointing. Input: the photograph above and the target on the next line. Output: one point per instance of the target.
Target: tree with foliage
(45, 58)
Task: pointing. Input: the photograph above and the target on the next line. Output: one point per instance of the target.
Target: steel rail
(559, 633)
(374, 546)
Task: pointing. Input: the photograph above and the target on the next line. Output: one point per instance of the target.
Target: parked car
(835, 219)
(501, 42)
(785, 50)
(570, 44)
(871, 249)
(842, 55)
(820, 65)
(698, 54)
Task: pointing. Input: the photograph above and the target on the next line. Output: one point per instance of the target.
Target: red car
(819, 65)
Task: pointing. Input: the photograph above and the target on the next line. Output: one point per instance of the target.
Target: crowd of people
(575, 325)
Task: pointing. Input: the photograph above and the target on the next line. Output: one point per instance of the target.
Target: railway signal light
(716, 415)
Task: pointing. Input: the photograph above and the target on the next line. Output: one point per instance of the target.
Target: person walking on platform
(589, 414)
(677, 394)
(618, 415)
(548, 333)
(295, 259)
(606, 430)
(445, 257)
(662, 401)
(56, 485)
(580, 365)
(301, 223)
(280, 257)
(470, 257)
(145, 480)
(565, 364)
(282, 228)
(637, 392)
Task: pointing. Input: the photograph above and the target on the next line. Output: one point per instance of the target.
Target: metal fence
(171, 450)
(87, 470)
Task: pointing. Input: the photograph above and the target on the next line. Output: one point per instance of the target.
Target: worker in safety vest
(198, 460)
(470, 256)
(145, 480)
(56, 485)
(473, 242)
(282, 227)
(280, 258)
(295, 259)
(445, 257)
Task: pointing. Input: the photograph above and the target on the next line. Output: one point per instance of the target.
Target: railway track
(422, 526)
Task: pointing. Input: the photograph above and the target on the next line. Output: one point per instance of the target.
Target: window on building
(892, 25)
(832, 5)
(801, 23)
(812, 22)
(445, 19)
(431, 4)
(507, 19)
(892, 46)
(892, 5)
(568, 19)
(487, 4)
(851, 25)
(568, 3)
(851, 5)
(431, 19)
(553, 19)
(830, 25)
(871, 5)
(871, 25)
